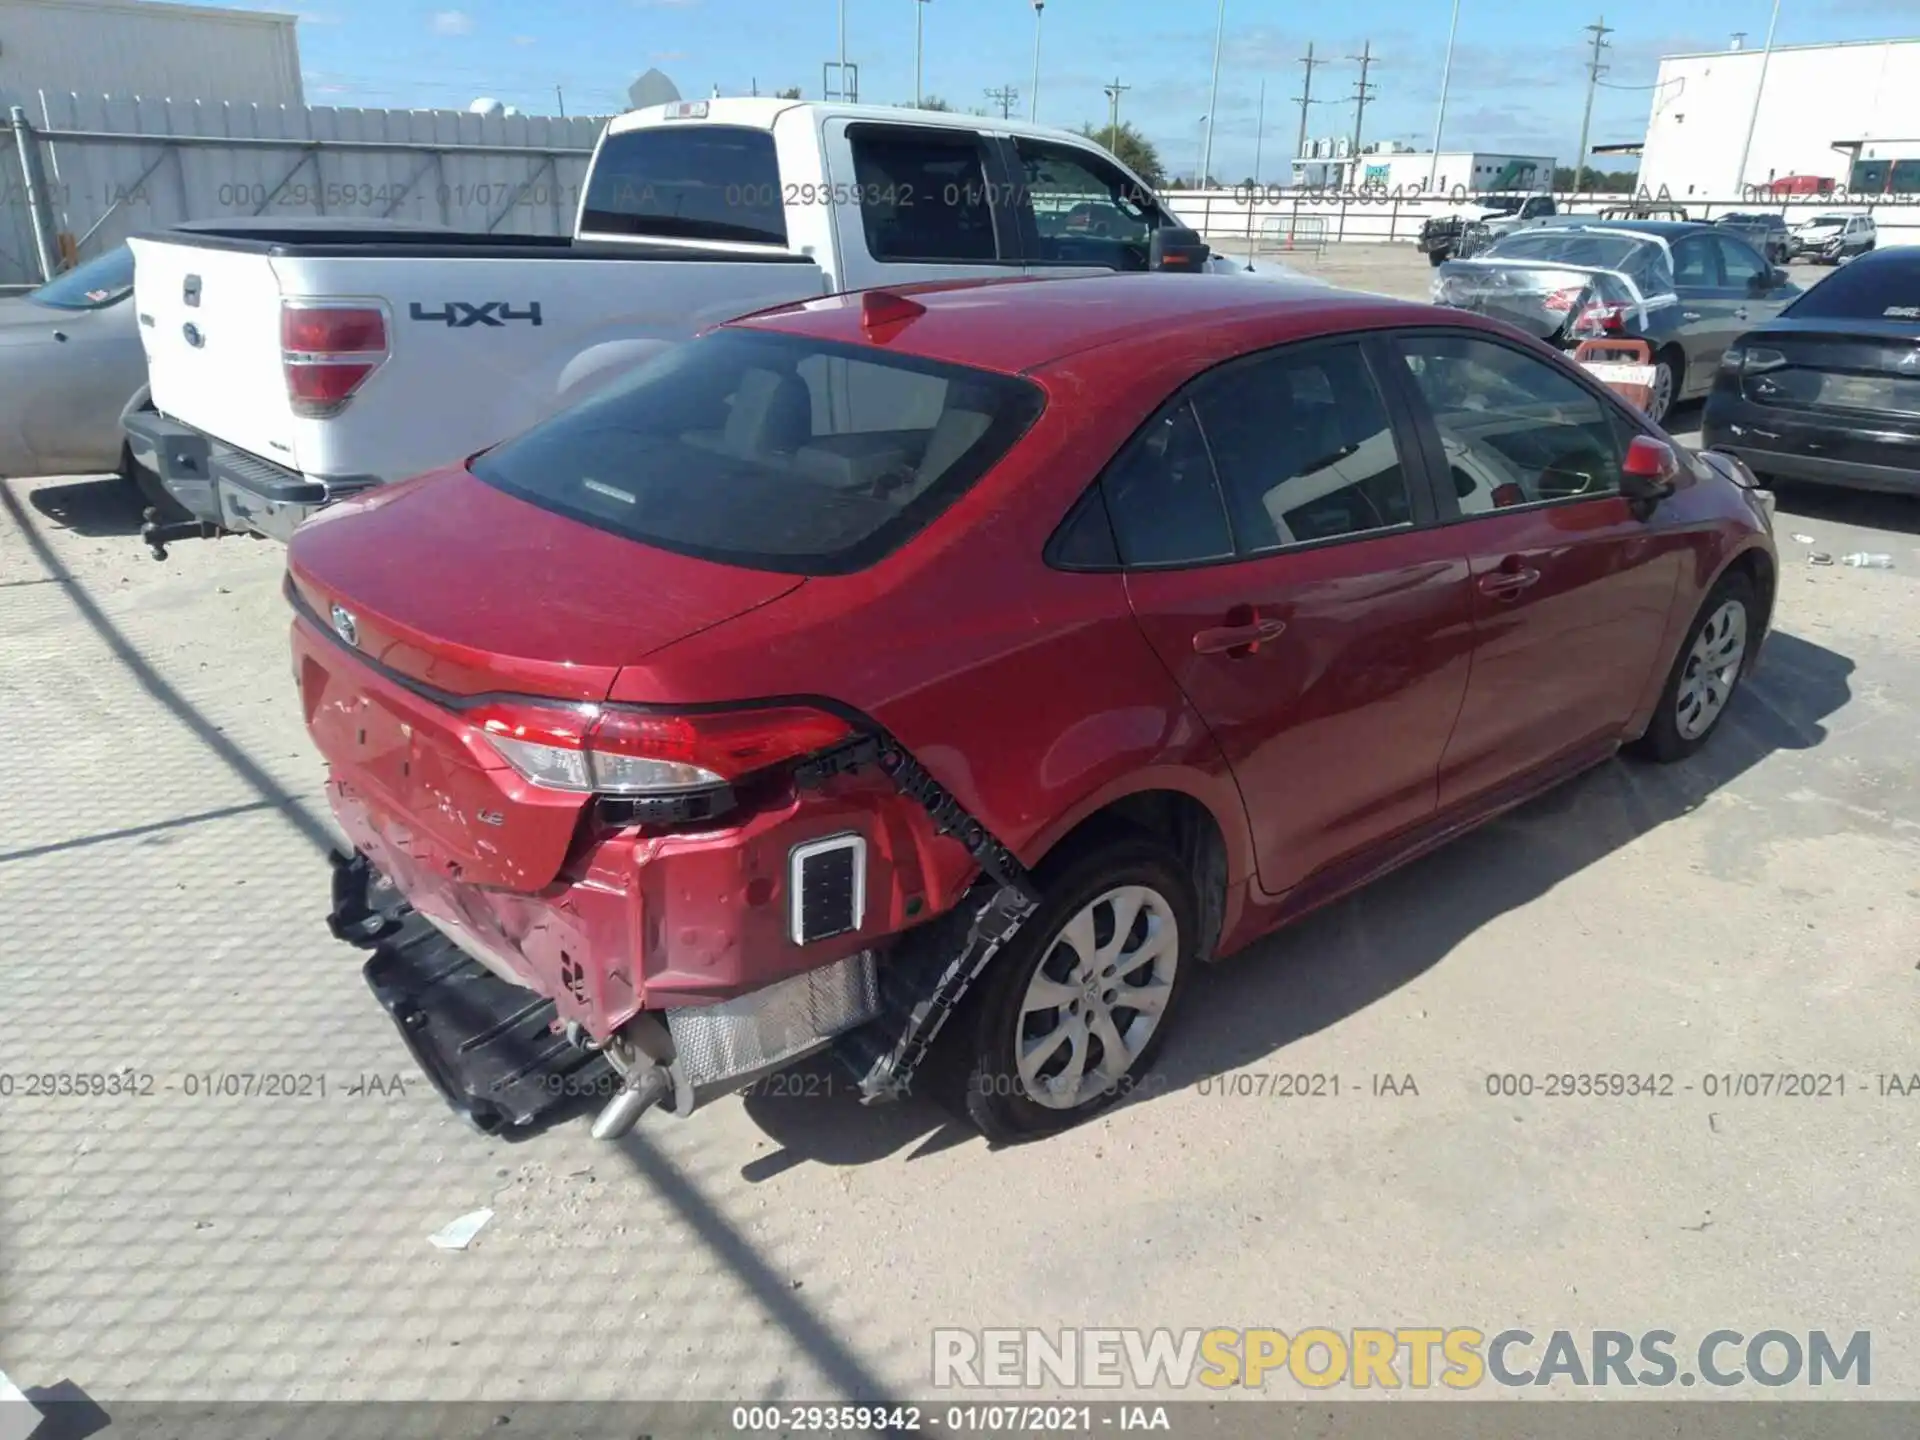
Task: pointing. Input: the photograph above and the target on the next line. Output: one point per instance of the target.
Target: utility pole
(1599, 30)
(1114, 92)
(1213, 100)
(1004, 96)
(1259, 131)
(1361, 94)
(1305, 98)
(1446, 77)
(1033, 99)
(562, 100)
(1753, 119)
(919, 47)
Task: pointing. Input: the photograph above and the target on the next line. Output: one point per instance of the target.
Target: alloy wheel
(1662, 400)
(1097, 997)
(1713, 668)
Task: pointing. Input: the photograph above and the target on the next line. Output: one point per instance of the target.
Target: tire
(1670, 371)
(1436, 258)
(1672, 735)
(978, 1075)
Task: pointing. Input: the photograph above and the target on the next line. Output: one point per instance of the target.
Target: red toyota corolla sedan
(945, 673)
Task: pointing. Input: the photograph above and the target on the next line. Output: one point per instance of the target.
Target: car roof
(1021, 324)
(1668, 230)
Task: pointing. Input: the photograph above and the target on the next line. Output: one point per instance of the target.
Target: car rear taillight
(1751, 359)
(591, 750)
(327, 351)
(1597, 320)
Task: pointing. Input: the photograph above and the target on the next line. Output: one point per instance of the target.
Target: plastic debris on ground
(458, 1234)
(1804, 539)
(1863, 560)
(1819, 557)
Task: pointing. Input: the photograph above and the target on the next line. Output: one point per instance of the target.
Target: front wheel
(1075, 1009)
(1705, 673)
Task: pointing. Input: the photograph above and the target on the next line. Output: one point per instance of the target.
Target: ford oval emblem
(345, 626)
(194, 337)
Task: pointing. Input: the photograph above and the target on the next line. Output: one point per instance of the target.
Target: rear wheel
(1705, 673)
(1074, 1011)
(1668, 368)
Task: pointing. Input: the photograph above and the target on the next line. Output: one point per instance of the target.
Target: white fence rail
(85, 172)
(1245, 219)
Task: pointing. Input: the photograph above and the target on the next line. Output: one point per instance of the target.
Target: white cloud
(452, 22)
(525, 40)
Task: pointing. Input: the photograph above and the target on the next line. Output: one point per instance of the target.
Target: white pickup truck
(287, 372)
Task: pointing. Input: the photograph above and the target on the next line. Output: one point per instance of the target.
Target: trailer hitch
(158, 534)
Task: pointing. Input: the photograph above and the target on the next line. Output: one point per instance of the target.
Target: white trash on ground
(458, 1234)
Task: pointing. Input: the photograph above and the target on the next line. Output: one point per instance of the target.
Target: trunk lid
(1863, 368)
(210, 325)
(1541, 299)
(469, 590)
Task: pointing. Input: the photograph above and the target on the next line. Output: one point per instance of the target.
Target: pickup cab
(289, 371)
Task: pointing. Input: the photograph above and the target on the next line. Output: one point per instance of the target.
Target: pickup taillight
(328, 349)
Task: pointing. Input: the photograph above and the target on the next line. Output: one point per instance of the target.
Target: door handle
(1689, 314)
(1741, 313)
(1505, 584)
(1237, 640)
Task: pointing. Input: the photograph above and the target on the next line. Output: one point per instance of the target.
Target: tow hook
(644, 1089)
(158, 533)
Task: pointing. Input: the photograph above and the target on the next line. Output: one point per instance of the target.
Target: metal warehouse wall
(1815, 95)
(503, 174)
(135, 47)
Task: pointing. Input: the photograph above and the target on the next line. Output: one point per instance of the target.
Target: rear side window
(770, 451)
(698, 182)
(1304, 448)
(1882, 286)
(923, 195)
(1162, 498)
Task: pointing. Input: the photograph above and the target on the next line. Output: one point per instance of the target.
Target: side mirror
(1175, 248)
(1649, 471)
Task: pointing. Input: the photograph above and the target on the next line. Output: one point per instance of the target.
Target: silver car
(70, 360)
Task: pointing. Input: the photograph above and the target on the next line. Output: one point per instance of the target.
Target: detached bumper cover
(220, 485)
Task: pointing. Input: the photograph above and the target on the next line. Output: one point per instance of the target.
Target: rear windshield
(1642, 260)
(770, 451)
(693, 182)
(1885, 286)
(103, 280)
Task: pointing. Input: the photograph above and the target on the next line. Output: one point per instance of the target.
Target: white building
(141, 47)
(1823, 107)
(1407, 171)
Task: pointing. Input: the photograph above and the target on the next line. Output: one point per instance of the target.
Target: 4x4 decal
(458, 314)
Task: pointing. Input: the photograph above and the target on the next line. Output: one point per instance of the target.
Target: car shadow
(94, 508)
(1356, 952)
(1834, 505)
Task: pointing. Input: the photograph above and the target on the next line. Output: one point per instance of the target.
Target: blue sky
(1518, 67)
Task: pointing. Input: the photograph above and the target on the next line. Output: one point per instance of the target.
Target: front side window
(923, 195)
(693, 182)
(1304, 448)
(770, 451)
(1515, 430)
(1086, 209)
(1742, 267)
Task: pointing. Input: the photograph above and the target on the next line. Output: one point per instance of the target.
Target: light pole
(1200, 174)
(1740, 177)
(1033, 97)
(919, 46)
(1259, 131)
(1213, 100)
(1446, 76)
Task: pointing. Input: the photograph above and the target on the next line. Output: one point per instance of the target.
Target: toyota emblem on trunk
(345, 626)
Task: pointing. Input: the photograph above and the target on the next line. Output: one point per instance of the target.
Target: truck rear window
(1885, 286)
(770, 451)
(693, 182)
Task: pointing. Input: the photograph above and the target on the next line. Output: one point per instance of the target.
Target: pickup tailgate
(210, 324)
